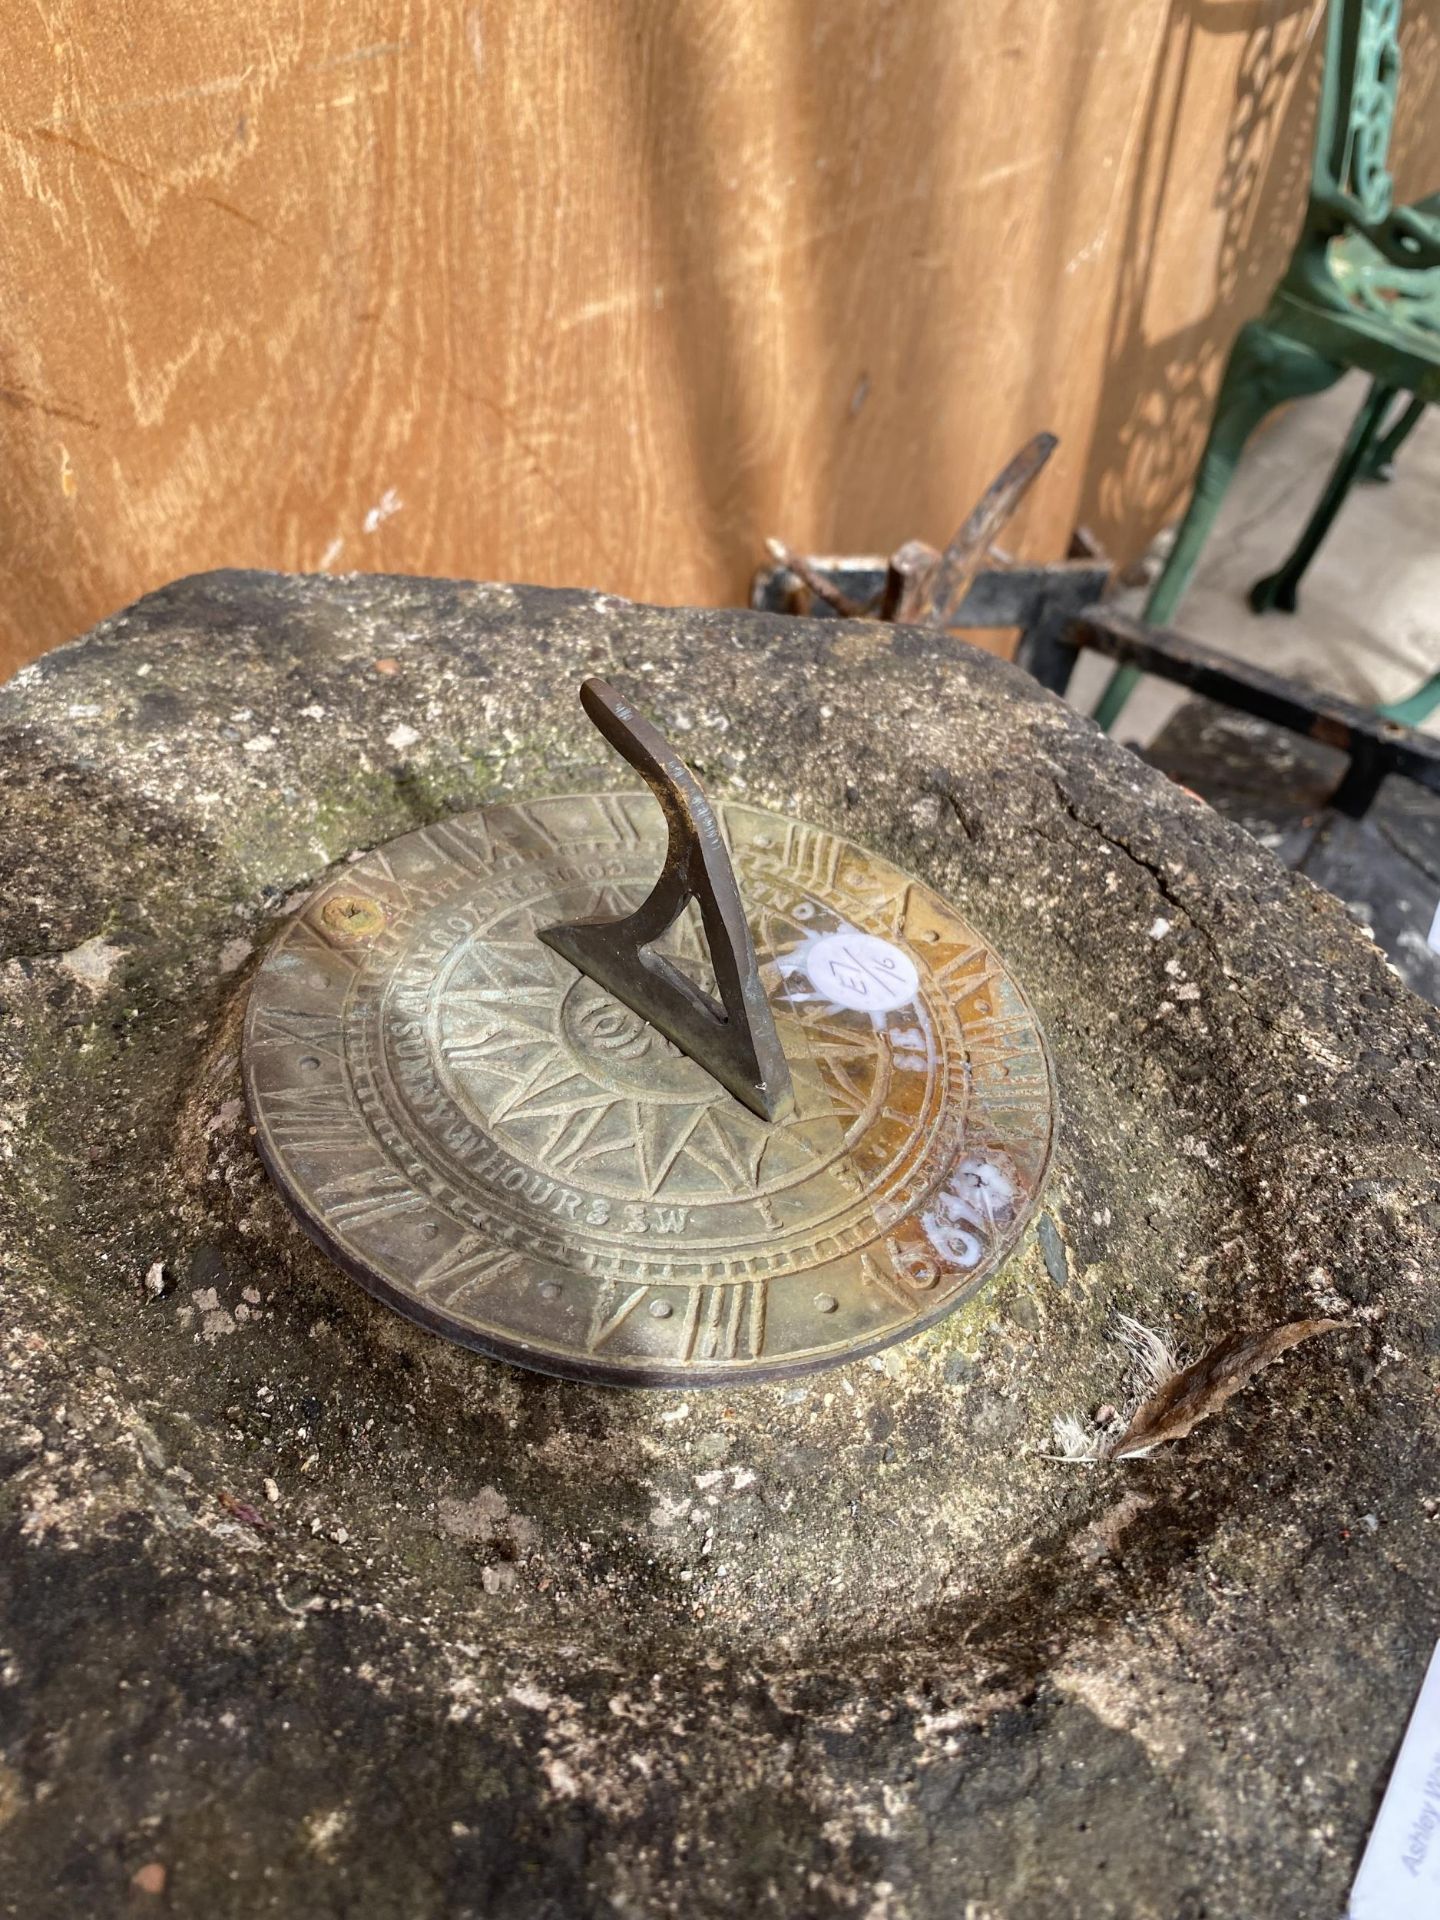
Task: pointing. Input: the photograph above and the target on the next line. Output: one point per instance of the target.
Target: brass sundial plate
(489, 1141)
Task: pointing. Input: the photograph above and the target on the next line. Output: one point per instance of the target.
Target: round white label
(859, 971)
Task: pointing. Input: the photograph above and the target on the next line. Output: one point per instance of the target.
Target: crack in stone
(1162, 885)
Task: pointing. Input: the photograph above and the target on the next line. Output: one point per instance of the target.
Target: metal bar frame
(1041, 601)
(1058, 611)
(1375, 746)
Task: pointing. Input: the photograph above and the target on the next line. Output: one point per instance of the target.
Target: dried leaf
(1197, 1391)
(243, 1511)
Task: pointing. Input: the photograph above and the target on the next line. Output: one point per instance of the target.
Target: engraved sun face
(571, 1081)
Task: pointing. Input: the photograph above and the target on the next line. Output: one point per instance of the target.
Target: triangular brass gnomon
(735, 1042)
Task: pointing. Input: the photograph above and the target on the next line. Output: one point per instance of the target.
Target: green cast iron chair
(1362, 290)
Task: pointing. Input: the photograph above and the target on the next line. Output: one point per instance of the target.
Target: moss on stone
(904, 1660)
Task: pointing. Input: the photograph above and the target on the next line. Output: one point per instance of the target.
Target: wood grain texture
(597, 293)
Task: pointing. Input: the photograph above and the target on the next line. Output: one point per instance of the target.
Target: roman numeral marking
(532, 823)
(286, 1026)
(880, 1275)
(994, 1029)
(310, 1119)
(414, 890)
(467, 848)
(813, 856)
(756, 1327)
(374, 1193)
(465, 1271)
(609, 901)
(722, 1323)
(608, 1317)
(957, 964)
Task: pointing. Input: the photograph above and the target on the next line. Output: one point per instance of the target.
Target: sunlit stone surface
(324, 1616)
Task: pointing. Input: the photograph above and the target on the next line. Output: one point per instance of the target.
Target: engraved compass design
(493, 1143)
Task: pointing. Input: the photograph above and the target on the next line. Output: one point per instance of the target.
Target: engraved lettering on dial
(490, 1141)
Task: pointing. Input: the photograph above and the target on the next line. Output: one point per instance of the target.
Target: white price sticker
(1399, 1878)
(858, 971)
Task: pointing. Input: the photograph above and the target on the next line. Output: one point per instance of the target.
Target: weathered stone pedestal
(303, 1612)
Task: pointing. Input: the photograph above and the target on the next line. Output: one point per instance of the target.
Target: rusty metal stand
(1041, 601)
(1058, 612)
(1375, 746)
(972, 584)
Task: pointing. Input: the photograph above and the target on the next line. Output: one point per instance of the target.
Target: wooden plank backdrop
(603, 292)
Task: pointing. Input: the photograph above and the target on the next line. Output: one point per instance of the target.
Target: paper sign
(1399, 1878)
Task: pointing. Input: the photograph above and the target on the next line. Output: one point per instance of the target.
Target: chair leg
(1416, 707)
(1379, 463)
(1281, 588)
(1265, 369)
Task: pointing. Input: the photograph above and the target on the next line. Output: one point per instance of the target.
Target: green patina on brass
(1362, 290)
